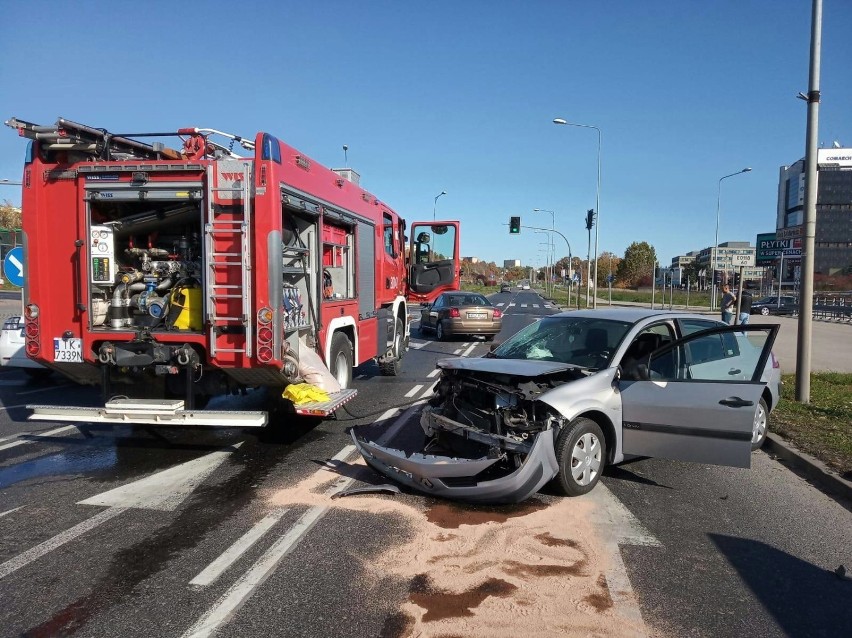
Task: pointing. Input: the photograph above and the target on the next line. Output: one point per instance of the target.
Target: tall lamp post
(713, 256)
(559, 120)
(435, 207)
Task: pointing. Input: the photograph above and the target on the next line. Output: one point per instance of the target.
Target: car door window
(721, 354)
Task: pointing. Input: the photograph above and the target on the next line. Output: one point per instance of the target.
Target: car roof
(634, 315)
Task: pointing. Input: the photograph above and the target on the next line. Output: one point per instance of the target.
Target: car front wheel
(761, 425)
(764, 311)
(581, 455)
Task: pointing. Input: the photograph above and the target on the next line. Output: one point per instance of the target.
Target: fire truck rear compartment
(144, 263)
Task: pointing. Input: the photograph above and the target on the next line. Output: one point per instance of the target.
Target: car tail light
(454, 313)
(775, 362)
(497, 314)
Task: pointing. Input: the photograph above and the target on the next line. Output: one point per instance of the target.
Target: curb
(813, 468)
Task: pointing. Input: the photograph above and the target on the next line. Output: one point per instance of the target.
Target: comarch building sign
(770, 249)
(835, 157)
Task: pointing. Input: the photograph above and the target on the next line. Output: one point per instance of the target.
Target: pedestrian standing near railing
(745, 307)
(728, 304)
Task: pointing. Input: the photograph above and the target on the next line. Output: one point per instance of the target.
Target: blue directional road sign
(13, 266)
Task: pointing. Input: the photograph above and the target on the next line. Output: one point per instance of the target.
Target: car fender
(597, 394)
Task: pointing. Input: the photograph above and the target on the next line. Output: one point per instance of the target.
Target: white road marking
(2, 514)
(162, 491)
(361, 376)
(535, 305)
(417, 344)
(617, 526)
(429, 391)
(547, 305)
(235, 551)
(457, 351)
(37, 437)
(511, 305)
(501, 304)
(53, 387)
(240, 591)
(434, 373)
(22, 560)
(523, 305)
(469, 350)
(413, 391)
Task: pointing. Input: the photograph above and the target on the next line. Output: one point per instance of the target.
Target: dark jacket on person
(745, 302)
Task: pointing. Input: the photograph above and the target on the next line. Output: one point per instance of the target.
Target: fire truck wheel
(341, 359)
(394, 367)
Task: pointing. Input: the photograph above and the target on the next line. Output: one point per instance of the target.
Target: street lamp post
(559, 120)
(713, 250)
(435, 206)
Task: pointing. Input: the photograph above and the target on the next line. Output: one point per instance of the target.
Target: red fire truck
(170, 276)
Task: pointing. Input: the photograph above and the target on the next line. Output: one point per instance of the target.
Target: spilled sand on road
(533, 569)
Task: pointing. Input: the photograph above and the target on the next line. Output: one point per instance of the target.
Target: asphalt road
(140, 532)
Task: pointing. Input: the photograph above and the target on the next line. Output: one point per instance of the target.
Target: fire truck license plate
(68, 350)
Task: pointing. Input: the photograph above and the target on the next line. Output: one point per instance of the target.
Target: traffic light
(590, 218)
(514, 225)
(717, 277)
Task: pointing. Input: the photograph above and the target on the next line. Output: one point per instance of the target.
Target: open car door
(433, 260)
(698, 396)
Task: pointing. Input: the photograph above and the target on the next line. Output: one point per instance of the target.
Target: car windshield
(583, 341)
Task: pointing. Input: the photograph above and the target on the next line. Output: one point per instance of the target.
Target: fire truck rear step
(148, 412)
(324, 408)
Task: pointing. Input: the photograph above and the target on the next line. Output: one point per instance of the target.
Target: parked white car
(12, 352)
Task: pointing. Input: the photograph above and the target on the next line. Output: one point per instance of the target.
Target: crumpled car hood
(514, 367)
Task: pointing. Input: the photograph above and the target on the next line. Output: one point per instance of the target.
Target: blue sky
(460, 96)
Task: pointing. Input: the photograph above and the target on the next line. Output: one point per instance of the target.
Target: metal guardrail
(833, 308)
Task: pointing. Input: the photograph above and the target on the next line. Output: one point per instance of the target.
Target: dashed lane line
(35, 438)
(2, 514)
(434, 373)
(21, 560)
(468, 351)
(225, 608)
(413, 391)
(235, 551)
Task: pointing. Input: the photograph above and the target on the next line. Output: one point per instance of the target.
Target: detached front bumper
(456, 478)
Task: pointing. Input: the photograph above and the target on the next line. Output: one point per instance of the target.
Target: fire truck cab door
(433, 260)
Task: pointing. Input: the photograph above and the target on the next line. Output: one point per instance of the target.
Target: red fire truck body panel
(169, 273)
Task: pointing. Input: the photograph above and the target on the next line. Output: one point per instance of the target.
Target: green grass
(695, 299)
(823, 427)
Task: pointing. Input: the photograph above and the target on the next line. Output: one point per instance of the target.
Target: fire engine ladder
(222, 267)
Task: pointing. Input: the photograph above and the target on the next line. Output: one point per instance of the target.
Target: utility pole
(806, 289)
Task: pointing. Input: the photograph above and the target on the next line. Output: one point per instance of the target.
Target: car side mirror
(642, 372)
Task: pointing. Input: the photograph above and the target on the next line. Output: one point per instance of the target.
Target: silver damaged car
(576, 391)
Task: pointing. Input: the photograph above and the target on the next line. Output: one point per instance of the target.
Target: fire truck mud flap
(459, 478)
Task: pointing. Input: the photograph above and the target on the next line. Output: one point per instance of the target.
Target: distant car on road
(525, 287)
(461, 313)
(785, 305)
(12, 349)
(505, 287)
